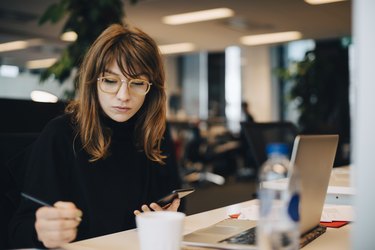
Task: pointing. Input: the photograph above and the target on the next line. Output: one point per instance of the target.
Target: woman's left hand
(155, 207)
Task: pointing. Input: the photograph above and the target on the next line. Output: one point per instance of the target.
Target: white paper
(330, 213)
(337, 213)
(249, 213)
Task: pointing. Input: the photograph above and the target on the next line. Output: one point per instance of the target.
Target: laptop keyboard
(248, 237)
(312, 235)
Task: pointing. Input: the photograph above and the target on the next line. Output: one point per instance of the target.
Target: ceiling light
(69, 36)
(17, 45)
(9, 71)
(314, 2)
(198, 16)
(43, 96)
(176, 48)
(39, 64)
(271, 38)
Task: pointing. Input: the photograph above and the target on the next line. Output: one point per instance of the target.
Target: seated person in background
(249, 161)
(245, 113)
(107, 158)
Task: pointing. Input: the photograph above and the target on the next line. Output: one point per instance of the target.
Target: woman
(107, 156)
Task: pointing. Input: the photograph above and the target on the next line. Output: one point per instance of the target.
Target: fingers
(57, 225)
(53, 239)
(70, 208)
(64, 204)
(174, 206)
(144, 208)
(137, 212)
(51, 213)
(155, 207)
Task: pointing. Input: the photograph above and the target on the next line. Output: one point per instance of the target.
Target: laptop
(313, 155)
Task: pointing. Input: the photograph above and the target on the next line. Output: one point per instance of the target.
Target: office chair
(14, 152)
(258, 135)
(196, 159)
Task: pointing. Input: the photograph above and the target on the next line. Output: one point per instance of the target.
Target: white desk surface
(333, 238)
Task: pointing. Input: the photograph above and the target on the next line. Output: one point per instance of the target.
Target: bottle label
(293, 207)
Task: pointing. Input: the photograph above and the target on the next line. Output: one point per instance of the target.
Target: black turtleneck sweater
(107, 190)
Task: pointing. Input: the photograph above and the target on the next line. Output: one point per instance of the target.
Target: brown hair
(135, 53)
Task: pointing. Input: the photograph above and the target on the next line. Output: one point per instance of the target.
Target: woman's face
(123, 105)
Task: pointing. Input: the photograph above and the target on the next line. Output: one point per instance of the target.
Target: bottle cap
(277, 148)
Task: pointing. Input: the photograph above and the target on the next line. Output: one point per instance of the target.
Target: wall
(257, 87)
(171, 78)
(194, 85)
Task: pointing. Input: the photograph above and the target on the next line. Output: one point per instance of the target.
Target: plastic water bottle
(278, 225)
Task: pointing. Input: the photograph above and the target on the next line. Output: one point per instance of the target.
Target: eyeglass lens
(112, 84)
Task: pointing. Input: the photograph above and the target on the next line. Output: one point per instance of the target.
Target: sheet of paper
(330, 213)
(249, 213)
(337, 213)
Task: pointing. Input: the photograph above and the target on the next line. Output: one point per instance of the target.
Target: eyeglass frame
(99, 79)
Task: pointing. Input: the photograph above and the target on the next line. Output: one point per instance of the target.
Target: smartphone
(178, 193)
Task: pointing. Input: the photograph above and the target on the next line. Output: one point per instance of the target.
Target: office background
(198, 80)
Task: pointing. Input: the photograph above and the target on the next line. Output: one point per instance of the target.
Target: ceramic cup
(161, 230)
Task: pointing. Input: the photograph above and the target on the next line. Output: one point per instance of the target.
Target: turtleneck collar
(119, 129)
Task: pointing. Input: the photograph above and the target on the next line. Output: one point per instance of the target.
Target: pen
(40, 202)
(43, 203)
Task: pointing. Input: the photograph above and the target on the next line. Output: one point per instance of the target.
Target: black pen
(40, 202)
(43, 203)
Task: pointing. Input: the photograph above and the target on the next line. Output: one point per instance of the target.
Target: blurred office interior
(304, 80)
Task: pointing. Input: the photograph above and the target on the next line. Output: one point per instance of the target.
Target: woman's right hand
(57, 225)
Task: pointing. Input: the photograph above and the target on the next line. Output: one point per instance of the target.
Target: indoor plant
(87, 18)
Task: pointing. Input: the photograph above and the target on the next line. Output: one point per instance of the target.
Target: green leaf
(54, 13)
(88, 19)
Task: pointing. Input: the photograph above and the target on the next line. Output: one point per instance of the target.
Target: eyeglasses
(112, 84)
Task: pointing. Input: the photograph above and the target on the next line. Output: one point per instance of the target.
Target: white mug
(160, 230)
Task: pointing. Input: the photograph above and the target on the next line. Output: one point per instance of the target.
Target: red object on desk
(234, 216)
(334, 224)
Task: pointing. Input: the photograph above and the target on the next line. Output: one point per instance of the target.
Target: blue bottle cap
(277, 148)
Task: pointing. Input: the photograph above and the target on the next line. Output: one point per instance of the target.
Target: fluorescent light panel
(43, 96)
(198, 16)
(39, 64)
(69, 36)
(270, 38)
(9, 71)
(18, 45)
(176, 48)
(314, 2)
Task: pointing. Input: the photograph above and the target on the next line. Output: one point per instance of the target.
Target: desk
(127, 240)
